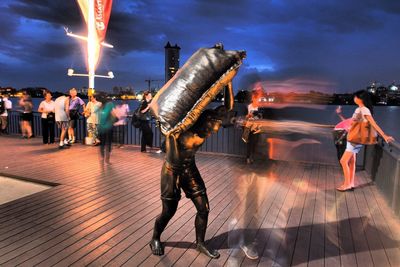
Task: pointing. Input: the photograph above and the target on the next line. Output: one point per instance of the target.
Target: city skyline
(329, 46)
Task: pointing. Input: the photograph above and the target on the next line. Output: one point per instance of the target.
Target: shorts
(62, 125)
(26, 116)
(354, 148)
(72, 123)
(186, 178)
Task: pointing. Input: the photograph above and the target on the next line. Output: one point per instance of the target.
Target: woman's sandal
(340, 189)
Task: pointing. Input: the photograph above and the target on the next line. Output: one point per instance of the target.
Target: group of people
(104, 119)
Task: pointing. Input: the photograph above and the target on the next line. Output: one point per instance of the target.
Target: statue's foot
(156, 247)
(213, 254)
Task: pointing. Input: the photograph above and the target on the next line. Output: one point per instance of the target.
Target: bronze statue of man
(180, 172)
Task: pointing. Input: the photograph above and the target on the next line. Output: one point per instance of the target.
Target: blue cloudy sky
(294, 44)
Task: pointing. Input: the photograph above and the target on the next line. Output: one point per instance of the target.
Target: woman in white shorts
(348, 161)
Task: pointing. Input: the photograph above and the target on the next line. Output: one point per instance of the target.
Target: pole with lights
(96, 14)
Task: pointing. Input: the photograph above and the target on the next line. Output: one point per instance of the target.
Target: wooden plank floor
(290, 212)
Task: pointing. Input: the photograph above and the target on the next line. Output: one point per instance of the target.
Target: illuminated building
(171, 60)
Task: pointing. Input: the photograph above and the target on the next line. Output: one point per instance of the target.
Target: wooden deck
(290, 211)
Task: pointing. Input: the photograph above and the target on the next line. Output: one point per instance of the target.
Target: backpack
(2, 106)
(136, 118)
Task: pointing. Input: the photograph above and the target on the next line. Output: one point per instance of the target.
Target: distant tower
(171, 60)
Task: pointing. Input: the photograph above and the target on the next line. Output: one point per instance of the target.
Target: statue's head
(209, 122)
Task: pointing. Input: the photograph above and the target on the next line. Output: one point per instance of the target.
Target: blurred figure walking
(25, 103)
(106, 121)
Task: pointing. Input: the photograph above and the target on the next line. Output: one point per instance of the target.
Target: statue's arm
(172, 151)
(228, 97)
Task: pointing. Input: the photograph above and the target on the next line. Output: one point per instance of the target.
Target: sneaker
(159, 151)
(250, 251)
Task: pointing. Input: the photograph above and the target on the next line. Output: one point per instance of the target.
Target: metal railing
(226, 141)
(382, 163)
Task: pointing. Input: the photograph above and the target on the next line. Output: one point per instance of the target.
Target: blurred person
(107, 119)
(5, 108)
(340, 133)
(75, 105)
(147, 133)
(47, 108)
(92, 114)
(121, 111)
(252, 128)
(61, 105)
(348, 161)
(25, 103)
(249, 190)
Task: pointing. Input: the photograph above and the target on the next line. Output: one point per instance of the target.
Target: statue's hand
(175, 133)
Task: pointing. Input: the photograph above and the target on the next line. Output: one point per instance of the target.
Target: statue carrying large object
(179, 103)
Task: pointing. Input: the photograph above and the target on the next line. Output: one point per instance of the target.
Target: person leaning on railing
(362, 114)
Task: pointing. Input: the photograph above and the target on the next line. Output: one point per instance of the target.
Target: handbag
(362, 133)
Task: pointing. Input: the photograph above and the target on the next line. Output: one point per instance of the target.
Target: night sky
(334, 46)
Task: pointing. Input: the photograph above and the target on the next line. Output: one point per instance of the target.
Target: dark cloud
(338, 42)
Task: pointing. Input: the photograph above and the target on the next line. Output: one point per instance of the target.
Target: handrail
(395, 144)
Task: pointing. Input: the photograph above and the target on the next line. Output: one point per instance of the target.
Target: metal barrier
(382, 162)
(226, 141)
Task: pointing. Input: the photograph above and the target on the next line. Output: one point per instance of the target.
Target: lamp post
(93, 43)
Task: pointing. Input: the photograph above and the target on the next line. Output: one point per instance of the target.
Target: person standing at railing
(348, 161)
(61, 114)
(147, 133)
(75, 105)
(25, 103)
(5, 108)
(121, 111)
(47, 108)
(92, 113)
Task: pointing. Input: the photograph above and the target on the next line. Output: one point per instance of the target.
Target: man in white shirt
(6, 107)
(62, 118)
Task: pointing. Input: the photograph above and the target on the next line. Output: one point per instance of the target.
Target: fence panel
(221, 142)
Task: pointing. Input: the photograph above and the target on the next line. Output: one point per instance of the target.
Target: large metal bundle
(180, 102)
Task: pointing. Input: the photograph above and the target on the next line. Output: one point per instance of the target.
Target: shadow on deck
(289, 211)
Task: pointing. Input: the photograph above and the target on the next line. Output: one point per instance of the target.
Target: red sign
(102, 11)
